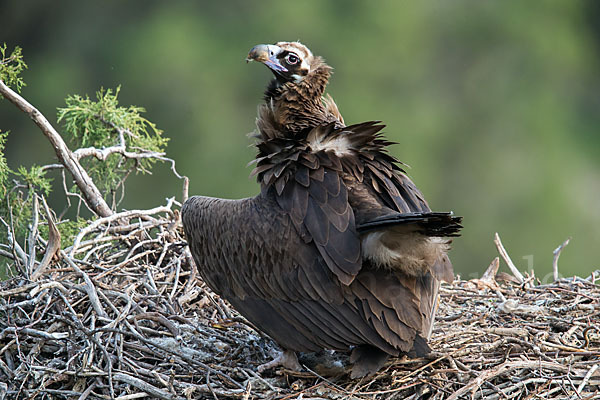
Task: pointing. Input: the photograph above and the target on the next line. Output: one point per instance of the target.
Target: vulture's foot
(286, 359)
(367, 360)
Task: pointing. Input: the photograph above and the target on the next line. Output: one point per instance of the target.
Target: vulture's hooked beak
(267, 54)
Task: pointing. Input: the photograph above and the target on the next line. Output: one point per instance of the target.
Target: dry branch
(53, 245)
(507, 259)
(556, 254)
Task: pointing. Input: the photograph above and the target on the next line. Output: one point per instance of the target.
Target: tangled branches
(122, 314)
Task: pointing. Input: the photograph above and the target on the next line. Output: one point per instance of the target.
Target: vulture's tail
(439, 224)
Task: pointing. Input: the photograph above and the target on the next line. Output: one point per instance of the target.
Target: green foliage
(16, 197)
(35, 178)
(15, 210)
(99, 124)
(11, 67)
(96, 124)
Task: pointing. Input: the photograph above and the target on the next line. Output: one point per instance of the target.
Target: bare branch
(102, 154)
(33, 233)
(92, 195)
(556, 254)
(18, 253)
(121, 148)
(504, 368)
(186, 189)
(144, 152)
(125, 214)
(52, 166)
(53, 245)
(89, 287)
(507, 259)
(587, 377)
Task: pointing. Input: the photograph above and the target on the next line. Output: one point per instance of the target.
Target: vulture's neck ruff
(294, 98)
(311, 86)
(299, 105)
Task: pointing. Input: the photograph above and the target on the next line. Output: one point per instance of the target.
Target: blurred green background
(495, 105)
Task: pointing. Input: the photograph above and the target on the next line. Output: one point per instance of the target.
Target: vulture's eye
(292, 59)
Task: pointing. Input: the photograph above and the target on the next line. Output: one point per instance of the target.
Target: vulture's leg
(367, 360)
(286, 359)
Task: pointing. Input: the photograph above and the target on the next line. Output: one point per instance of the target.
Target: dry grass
(122, 314)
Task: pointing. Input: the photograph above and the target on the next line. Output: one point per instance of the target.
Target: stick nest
(122, 314)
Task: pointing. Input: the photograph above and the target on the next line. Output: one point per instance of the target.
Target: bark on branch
(90, 192)
(121, 148)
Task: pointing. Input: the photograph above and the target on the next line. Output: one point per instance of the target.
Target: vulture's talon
(286, 359)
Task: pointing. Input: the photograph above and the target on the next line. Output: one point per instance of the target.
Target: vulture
(340, 250)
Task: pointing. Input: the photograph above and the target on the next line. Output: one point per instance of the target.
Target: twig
(146, 387)
(18, 253)
(89, 286)
(87, 391)
(586, 378)
(33, 332)
(186, 188)
(33, 232)
(210, 388)
(503, 368)
(121, 148)
(111, 218)
(176, 279)
(556, 254)
(247, 392)
(490, 273)
(102, 154)
(341, 389)
(52, 246)
(507, 259)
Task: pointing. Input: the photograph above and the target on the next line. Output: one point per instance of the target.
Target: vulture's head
(294, 99)
(289, 61)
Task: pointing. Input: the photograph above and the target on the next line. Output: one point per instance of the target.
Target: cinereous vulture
(340, 249)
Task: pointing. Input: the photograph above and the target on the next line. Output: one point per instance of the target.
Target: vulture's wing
(377, 178)
(308, 187)
(251, 253)
(313, 189)
(317, 202)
